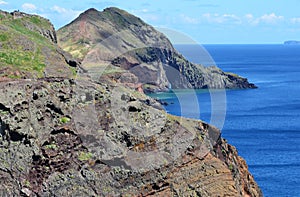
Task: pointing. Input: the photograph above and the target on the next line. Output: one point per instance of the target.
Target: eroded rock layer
(63, 134)
(74, 138)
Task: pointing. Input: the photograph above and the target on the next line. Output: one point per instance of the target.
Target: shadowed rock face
(61, 136)
(120, 42)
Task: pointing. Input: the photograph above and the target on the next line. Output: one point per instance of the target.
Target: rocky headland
(130, 51)
(66, 133)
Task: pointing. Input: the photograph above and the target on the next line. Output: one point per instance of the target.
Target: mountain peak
(91, 10)
(113, 14)
(113, 9)
(118, 11)
(106, 10)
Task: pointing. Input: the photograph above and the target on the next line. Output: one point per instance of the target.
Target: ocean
(264, 123)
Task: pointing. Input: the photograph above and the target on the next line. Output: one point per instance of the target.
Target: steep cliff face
(66, 136)
(120, 43)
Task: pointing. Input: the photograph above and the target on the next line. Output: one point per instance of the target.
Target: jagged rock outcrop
(35, 23)
(66, 136)
(74, 138)
(118, 42)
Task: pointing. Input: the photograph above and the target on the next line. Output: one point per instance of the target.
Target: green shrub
(51, 146)
(3, 37)
(64, 120)
(83, 156)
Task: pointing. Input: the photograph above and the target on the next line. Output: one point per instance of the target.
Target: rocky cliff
(77, 138)
(69, 136)
(132, 51)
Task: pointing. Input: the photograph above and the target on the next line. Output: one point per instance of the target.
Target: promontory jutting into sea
(75, 119)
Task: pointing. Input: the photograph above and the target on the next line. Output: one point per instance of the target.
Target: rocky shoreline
(65, 134)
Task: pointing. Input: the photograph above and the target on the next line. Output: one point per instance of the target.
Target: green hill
(28, 48)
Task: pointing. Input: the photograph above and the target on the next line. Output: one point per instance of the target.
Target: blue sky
(205, 21)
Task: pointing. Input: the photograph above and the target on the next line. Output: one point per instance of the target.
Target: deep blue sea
(263, 123)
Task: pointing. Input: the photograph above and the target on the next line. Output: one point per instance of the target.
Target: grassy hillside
(28, 47)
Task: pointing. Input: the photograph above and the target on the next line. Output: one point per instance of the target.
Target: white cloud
(59, 10)
(249, 16)
(145, 10)
(222, 18)
(232, 18)
(210, 17)
(61, 16)
(189, 20)
(295, 20)
(250, 19)
(271, 18)
(28, 7)
(65, 12)
(146, 15)
(3, 2)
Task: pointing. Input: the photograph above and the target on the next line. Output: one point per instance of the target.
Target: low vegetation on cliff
(28, 48)
(67, 136)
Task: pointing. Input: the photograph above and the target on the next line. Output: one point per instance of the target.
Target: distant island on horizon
(292, 42)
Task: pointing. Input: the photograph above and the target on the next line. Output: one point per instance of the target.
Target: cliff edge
(69, 136)
(29, 49)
